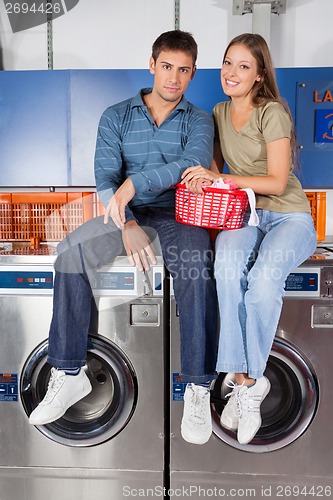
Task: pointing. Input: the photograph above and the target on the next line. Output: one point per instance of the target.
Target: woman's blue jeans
(251, 267)
(188, 255)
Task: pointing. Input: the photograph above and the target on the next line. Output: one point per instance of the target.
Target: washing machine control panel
(313, 278)
(128, 280)
(304, 281)
(26, 279)
(114, 280)
(14, 279)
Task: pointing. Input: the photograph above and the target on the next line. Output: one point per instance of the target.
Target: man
(144, 144)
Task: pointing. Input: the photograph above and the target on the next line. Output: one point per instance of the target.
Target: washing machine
(292, 454)
(111, 443)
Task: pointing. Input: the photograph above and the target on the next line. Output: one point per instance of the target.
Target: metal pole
(177, 14)
(261, 20)
(49, 38)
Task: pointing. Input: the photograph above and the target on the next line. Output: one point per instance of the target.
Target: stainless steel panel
(322, 317)
(206, 484)
(25, 326)
(77, 483)
(34, 464)
(145, 314)
(222, 464)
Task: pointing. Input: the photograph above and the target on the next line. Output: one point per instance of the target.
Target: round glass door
(286, 412)
(104, 412)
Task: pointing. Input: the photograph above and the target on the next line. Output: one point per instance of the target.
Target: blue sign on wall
(314, 123)
(324, 125)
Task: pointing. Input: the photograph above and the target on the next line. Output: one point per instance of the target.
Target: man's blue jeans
(188, 255)
(251, 267)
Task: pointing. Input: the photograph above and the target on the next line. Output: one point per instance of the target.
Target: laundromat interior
(58, 73)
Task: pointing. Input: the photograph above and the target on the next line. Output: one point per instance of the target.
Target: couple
(145, 146)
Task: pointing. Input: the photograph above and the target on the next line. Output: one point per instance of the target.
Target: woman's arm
(278, 167)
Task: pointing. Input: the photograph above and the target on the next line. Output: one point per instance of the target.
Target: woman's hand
(195, 178)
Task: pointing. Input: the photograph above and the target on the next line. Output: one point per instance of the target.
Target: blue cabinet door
(34, 139)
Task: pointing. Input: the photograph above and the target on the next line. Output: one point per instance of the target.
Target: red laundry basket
(215, 208)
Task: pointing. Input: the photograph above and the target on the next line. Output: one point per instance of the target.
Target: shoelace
(248, 404)
(235, 394)
(54, 384)
(197, 412)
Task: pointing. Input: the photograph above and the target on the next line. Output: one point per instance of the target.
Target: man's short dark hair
(175, 40)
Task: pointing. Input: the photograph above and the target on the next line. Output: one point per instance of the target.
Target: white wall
(119, 34)
(302, 37)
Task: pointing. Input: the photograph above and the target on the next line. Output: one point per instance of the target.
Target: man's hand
(137, 246)
(116, 206)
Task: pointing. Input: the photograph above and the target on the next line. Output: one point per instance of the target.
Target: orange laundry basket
(317, 202)
(45, 216)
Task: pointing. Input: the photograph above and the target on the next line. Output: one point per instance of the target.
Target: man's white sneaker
(230, 414)
(196, 426)
(63, 391)
(249, 400)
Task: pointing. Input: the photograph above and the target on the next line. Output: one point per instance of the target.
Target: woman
(255, 138)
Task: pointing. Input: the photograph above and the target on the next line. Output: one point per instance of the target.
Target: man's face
(172, 73)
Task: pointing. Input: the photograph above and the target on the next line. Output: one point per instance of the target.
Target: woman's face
(239, 72)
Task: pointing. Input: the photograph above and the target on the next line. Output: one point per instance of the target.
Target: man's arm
(108, 159)
(112, 192)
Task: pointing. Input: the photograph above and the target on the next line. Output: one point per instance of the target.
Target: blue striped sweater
(129, 144)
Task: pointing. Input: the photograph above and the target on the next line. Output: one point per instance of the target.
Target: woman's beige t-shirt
(245, 151)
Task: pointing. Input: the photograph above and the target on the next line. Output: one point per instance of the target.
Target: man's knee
(69, 261)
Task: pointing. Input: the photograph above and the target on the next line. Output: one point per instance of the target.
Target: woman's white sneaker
(62, 392)
(249, 400)
(230, 414)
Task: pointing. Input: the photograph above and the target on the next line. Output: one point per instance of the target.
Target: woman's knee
(266, 285)
(232, 264)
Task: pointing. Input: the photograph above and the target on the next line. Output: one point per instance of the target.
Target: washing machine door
(104, 412)
(289, 408)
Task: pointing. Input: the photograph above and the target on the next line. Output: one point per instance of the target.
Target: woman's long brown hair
(266, 90)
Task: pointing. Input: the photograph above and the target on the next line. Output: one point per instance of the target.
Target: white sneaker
(196, 424)
(249, 400)
(230, 414)
(62, 392)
